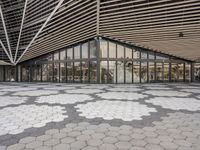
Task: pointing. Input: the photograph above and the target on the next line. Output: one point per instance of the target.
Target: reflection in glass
(103, 49)
(69, 53)
(63, 55)
(103, 71)
(36, 73)
(151, 71)
(62, 72)
(44, 72)
(128, 53)
(136, 72)
(56, 56)
(50, 73)
(120, 51)
(77, 53)
(143, 55)
(25, 73)
(159, 72)
(128, 71)
(136, 54)
(77, 72)
(56, 72)
(187, 72)
(93, 71)
(112, 72)
(1, 74)
(85, 72)
(120, 72)
(85, 50)
(93, 50)
(112, 50)
(143, 72)
(197, 72)
(166, 72)
(69, 72)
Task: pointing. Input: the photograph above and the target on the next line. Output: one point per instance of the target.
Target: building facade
(100, 41)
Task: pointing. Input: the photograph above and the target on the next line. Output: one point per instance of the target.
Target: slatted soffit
(35, 27)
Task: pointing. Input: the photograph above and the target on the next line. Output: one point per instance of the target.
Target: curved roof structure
(30, 28)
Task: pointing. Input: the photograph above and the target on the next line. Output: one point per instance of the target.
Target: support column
(98, 58)
(192, 72)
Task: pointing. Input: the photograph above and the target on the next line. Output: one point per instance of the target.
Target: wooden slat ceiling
(153, 24)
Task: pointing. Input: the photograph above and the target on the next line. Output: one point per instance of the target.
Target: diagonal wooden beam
(40, 30)
(5, 30)
(6, 51)
(20, 32)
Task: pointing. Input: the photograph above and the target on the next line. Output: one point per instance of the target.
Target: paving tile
(61, 147)
(169, 145)
(34, 144)
(110, 140)
(78, 145)
(153, 147)
(123, 145)
(94, 142)
(68, 140)
(51, 142)
(27, 140)
(16, 147)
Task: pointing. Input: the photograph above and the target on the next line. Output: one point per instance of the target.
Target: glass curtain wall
(115, 62)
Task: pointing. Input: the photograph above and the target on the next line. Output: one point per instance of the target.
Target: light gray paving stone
(94, 142)
(126, 127)
(78, 145)
(88, 132)
(52, 131)
(34, 144)
(112, 133)
(90, 148)
(16, 147)
(153, 147)
(124, 138)
(43, 148)
(2, 147)
(43, 137)
(98, 135)
(182, 143)
(137, 148)
(51, 142)
(151, 140)
(83, 137)
(107, 146)
(61, 147)
(74, 133)
(165, 138)
(27, 140)
(186, 148)
(68, 140)
(71, 125)
(59, 135)
(136, 142)
(150, 134)
(137, 136)
(110, 140)
(125, 132)
(169, 145)
(123, 145)
(66, 130)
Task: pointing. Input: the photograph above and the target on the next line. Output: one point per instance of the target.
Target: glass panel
(144, 72)
(93, 50)
(34, 73)
(1, 73)
(181, 72)
(120, 51)
(128, 71)
(151, 72)
(77, 52)
(50, 73)
(85, 72)
(93, 71)
(143, 55)
(77, 72)
(103, 49)
(104, 71)
(159, 72)
(56, 56)
(112, 50)
(188, 72)
(136, 72)
(112, 72)
(166, 72)
(63, 55)
(85, 50)
(62, 72)
(128, 53)
(161, 57)
(56, 72)
(69, 54)
(69, 72)
(120, 72)
(151, 55)
(44, 72)
(136, 54)
(177, 72)
(197, 72)
(25, 73)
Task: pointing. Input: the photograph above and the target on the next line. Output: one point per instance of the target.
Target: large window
(114, 63)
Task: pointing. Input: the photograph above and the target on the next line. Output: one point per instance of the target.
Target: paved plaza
(52, 116)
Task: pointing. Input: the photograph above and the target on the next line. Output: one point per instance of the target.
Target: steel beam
(20, 32)
(40, 30)
(5, 30)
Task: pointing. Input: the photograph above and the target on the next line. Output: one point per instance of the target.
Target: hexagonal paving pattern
(121, 95)
(64, 98)
(99, 117)
(174, 103)
(109, 110)
(9, 100)
(14, 120)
